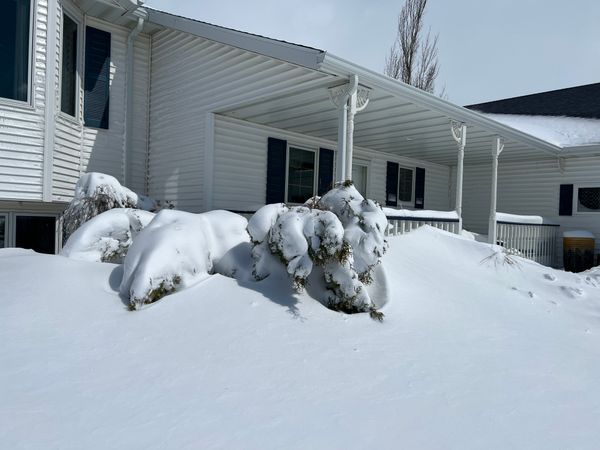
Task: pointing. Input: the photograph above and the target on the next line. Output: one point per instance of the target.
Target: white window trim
(576, 188)
(29, 103)
(411, 202)
(76, 17)
(287, 168)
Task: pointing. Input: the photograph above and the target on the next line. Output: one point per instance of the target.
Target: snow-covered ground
(473, 353)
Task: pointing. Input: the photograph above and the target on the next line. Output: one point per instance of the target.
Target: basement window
(588, 199)
(301, 175)
(3, 223)
(15, 46)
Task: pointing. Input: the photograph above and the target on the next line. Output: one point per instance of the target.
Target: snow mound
(96, 193)
(107, 236)
(177, 250)
(558, 130)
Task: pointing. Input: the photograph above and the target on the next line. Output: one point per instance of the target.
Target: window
(97, 78)
(301, 175)
(36, 232)
(3, 234)
(14, 49)
(405, 185)
(359, 178)
(588, 199)
(69, 67)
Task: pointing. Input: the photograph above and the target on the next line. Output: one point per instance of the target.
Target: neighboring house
(209, 117)
(564, 189)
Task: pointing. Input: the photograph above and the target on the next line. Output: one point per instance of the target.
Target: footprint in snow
(572, 292)
(549, 277)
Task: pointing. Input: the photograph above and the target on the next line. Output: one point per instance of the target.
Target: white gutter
(340, 67)
(128, 128)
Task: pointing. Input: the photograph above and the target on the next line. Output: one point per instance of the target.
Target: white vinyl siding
(22, 126)
(240, 166)
(80, 149)
(190, 77)
(530, 187)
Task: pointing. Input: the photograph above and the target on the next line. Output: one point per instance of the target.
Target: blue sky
(487, 49)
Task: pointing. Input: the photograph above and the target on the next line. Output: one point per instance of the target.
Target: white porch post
(358, 101)
(340, 166)
(497, 147)
(459, 133)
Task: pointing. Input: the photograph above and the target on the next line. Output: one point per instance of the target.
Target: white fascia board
(340, 67)
(581, 150)
(299, 55)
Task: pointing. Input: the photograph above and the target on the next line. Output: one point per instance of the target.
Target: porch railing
(538, 242)
(405, 224)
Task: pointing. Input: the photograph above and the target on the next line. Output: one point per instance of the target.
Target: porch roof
(400, 119)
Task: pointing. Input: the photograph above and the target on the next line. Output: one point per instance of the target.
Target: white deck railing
(537, 242)
(405, 224)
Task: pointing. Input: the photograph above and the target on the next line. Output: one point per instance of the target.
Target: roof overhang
(300, 55)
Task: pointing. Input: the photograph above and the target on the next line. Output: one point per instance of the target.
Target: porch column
(497, 147)
(358, 101)
(459, 133)
(340, 163)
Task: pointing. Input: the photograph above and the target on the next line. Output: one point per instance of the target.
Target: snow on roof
(561, 131)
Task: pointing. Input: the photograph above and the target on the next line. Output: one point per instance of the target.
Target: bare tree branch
(412, 59)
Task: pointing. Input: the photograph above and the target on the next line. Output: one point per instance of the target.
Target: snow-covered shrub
(96, 193)
(107, 236)
(341, 233)
(176, 250)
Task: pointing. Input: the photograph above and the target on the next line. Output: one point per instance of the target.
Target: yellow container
(578, 253)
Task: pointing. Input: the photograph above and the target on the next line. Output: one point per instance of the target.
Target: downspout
(340, 96)
(128, 129)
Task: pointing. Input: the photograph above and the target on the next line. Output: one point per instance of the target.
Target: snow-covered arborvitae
(341, 233)
(96, 193)
(176, 250)
(107, 236)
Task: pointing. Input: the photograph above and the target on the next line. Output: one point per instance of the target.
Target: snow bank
(96, 193)
(176, 250)
(560, 131)
(471, 356)
(107, 236)
(420, 213)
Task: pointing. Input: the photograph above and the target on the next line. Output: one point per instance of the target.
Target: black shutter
(565, 204)
(325, 171)
(419, 188)
(276, 156)
(391, 184)
(97, 78)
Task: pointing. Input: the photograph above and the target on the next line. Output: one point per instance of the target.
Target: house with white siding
(213, 118)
